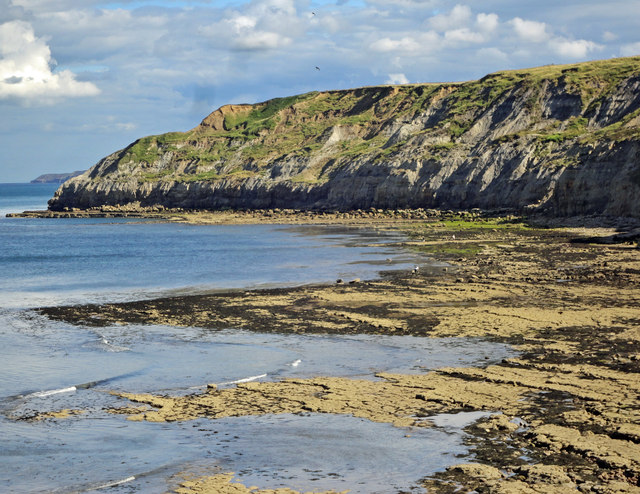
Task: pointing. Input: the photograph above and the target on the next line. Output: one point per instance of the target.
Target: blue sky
(81, 79)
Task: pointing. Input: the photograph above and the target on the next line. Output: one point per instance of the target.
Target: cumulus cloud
(261, 40)
(459, 16)
(260, 26)
(388, 44)
(492, 53)
(25, 68)
(577, 49)
(457, 26)
(532, 31)
(397, 79)
(416, 43)
(487, 22)
(463, 35)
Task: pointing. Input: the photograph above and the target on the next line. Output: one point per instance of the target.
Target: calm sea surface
(46, 366)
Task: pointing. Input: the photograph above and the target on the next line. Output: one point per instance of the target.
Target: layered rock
(563, 140)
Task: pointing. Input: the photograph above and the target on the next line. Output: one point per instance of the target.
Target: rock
(544, 474)
(583, 172)
(499, 422)
(477, 471)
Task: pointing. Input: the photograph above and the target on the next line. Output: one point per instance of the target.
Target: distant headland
(56, 178)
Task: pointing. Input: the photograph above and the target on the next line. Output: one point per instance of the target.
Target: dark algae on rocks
(562, 140)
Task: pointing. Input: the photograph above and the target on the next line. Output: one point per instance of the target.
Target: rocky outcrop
(561, 140)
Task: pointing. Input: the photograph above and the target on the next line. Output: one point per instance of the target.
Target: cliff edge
(560, 140)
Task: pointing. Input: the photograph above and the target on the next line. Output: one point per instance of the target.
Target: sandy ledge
(570, 403)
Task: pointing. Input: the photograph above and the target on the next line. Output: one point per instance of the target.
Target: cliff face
(564, 140)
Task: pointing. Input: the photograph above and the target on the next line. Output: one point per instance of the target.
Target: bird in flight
(317, 68)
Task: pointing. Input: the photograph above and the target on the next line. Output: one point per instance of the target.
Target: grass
(251, 136)
(154, 176)
(516, 223)
(209, 175)
(262, 116)
(576, 127)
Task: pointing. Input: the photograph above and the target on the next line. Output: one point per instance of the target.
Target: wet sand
(570, 403)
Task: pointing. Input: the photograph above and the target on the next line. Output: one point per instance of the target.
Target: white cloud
(532, 31)
(459, 16)
(388, 45)
(456, 25)
(261, 40)
(242, 22)
(609, 36)
(25, 68)
(630, 50)
(487, 22)
(492, 53)
(397, 79)
(463, 35)
(579, 48)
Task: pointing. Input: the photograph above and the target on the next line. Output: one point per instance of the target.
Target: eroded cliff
(563, 140)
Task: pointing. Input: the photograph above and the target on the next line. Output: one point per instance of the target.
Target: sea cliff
(556, 140)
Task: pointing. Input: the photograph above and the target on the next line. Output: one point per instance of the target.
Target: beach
(565, 412)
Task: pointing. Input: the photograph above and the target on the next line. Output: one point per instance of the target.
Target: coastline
(570, 402)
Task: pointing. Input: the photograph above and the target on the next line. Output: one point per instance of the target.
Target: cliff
(55, 178)
(561, 140)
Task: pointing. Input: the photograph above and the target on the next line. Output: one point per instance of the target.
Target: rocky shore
(567, 408)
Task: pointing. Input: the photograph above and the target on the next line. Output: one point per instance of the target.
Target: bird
(317, 68)
(416, 269)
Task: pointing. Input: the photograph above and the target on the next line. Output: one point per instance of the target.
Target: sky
(80, 79)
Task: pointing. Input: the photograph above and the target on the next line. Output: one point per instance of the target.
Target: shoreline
(570, 402)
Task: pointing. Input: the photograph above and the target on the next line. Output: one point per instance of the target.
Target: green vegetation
(299, 124)
(149, 149)
(509, 223)
(210, 175)
(262, 116)
(154, 176)
(575, 128)
(440, 234)
(619, 131)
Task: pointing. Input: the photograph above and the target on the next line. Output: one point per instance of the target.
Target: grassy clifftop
(543, 138)
(244, 139)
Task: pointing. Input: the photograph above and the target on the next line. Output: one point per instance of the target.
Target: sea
(50, 365)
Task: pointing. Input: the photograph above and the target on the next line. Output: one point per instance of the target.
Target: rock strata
(560, 140)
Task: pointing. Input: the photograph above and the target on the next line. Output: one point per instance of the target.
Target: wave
(44, 394)
(245, 380)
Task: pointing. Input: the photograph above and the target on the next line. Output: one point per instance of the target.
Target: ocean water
(48, 366)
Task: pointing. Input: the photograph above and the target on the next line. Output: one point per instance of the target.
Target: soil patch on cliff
(568, 407)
